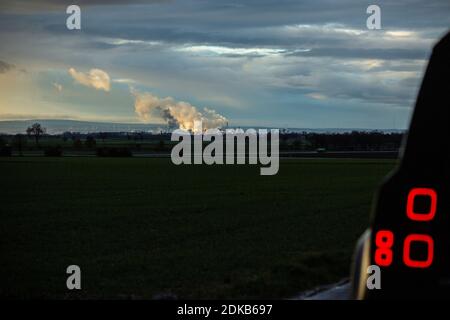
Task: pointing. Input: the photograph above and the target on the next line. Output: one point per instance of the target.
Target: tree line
(289, 141)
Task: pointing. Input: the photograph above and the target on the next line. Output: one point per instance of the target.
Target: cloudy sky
(311, 64)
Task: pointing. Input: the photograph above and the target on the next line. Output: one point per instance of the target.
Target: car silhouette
(408, 237)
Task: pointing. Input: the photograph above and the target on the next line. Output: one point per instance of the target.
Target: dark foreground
(143, 228)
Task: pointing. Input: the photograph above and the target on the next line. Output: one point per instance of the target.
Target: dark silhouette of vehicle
(409, 233)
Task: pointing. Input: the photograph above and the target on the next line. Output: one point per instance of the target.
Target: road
(337, 291)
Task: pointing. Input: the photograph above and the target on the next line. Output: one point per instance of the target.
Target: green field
(142, 227)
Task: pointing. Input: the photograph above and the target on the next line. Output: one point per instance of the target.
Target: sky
(304, 64)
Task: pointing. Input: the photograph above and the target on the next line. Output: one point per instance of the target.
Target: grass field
(143, 227)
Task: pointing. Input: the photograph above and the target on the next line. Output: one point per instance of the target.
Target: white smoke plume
(95, 78)
(58, 87)
(151, 108)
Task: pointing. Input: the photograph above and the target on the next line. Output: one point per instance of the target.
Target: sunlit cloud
(95, 78)
(317, 96)
(219, 50)
(122, 42)
(124, 80)
(400, 34)
(329, 28)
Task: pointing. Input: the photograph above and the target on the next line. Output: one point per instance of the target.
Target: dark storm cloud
(241, 22)
(43, 5)
(5, 67)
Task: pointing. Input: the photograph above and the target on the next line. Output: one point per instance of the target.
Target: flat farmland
(143, 227)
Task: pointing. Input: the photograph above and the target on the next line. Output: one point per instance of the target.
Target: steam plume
(151, 108)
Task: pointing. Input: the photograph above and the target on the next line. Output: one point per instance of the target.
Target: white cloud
(96, 78)
(124, 80)
(220, 50)
(317, 96)
(121, 42)
(401, 34)
(58, 87)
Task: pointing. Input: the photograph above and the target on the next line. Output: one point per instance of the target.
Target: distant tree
(297, 144)
(77, 144)
(161, 145)
(19, 142)
(37, 131)
(138, 136)
(2, 142)
(66, 135)
(90, 142)
(103, 136)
